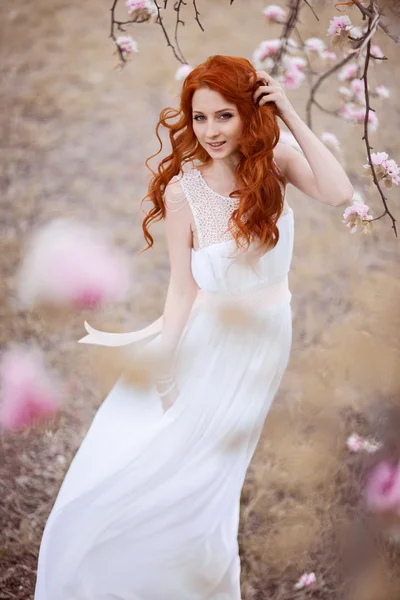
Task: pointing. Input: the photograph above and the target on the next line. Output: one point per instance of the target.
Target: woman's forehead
(213, 101)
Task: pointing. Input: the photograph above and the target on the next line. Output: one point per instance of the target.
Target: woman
(149, 508)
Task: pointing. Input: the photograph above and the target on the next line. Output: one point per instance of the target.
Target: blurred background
(75, 132)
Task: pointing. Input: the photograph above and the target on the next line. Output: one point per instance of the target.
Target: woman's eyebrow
(216, 112)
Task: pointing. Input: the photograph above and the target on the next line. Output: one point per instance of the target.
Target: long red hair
(259, 182)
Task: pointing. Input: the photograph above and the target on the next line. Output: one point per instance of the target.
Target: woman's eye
(226, 115)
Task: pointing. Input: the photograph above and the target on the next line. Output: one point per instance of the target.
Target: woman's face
(216, 120)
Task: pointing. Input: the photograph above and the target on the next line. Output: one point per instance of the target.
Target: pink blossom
(28, 392)
(358, 88)
(268, 48)
(288, 138)
(356, 443)
(275, 13)
(71, 264)
(306, 580)
(356, 33)
(295, 62)
(327, 55)
(349, 71)
(315, 45)
(382, 492)
(148, 5)
(183, 72)
(376, 51)
(382, 91)
(378, 158)
(391, 167)
(356, 114)
(387, 168)
(127, 44)
(293, 78)
(339, 24)
(356, 217)
(330, 140)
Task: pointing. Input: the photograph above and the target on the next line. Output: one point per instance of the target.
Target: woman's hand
(167, 391)
(274, 92)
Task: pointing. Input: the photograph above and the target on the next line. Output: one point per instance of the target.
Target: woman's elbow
(344, 196)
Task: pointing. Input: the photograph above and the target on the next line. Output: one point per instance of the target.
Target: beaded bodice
(212, 263)
(211, 211)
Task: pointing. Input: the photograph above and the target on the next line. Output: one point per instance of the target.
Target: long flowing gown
(149, 508)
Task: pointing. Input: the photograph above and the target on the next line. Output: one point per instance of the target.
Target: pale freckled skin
(216, 119)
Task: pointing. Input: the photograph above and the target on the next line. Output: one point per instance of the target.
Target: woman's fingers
(263, 89)
(271, 98)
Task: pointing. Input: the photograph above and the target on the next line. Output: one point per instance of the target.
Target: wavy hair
(259, 182)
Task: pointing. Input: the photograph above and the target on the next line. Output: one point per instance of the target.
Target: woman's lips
(219, 145)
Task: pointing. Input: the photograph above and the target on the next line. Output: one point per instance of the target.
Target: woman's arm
(182, 288)
(318, 174)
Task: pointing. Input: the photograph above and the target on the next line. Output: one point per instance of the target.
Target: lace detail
(211, 211)
(211, 216)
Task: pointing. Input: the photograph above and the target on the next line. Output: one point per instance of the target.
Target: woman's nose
(212, 129)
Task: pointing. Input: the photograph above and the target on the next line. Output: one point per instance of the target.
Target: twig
(312, 10)
(160, 22)
(373, 22)
(177, 8)
(319, 81)
(294, 8)
(197, 15)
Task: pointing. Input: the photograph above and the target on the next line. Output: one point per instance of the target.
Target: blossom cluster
(136, 7)
(356, 443)
(385, 168)
(127, 44)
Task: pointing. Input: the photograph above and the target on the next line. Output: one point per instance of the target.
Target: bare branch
(177, 8)
(372, 25)
(294, 8)
(197, 15)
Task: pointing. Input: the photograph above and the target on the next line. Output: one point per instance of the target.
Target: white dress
(149, 508)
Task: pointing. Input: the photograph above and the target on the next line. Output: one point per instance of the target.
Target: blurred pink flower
(268, 48)
(306, 580)
(356, 443)
(134, 5)
(376, 51)
(330, 140)
(339, 24)
(382, 491)
(274, 13)
(356, 114)
(382, 91)
(315, 45)
(328, 55)
(182, 72)
(127, 44)
(28, 393)
(71, 264)
(348, 72)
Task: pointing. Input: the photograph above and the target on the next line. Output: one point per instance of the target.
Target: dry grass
(75, 134)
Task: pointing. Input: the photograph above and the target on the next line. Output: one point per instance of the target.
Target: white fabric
(149, 507)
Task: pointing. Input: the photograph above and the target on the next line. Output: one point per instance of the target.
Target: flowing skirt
(149, 508)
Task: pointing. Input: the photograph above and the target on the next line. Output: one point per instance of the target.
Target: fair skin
(316, 173)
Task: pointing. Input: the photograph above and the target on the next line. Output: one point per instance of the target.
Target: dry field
(74, 136)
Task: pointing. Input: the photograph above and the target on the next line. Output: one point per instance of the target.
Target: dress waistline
(264, 297)
(270, 295)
